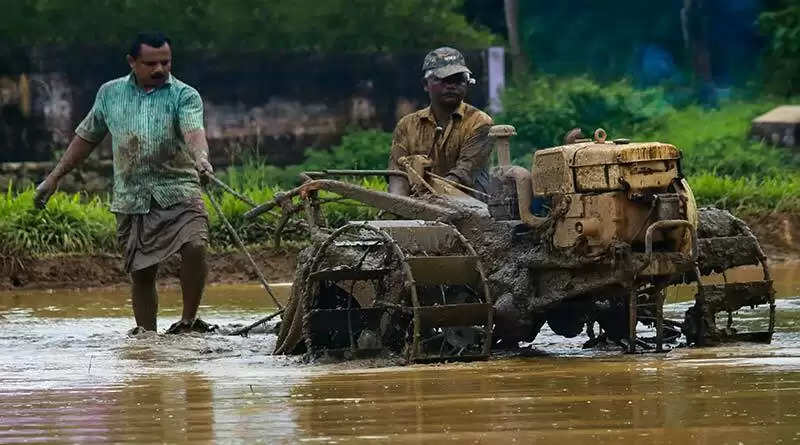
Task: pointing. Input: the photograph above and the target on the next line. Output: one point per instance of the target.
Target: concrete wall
(277, 105)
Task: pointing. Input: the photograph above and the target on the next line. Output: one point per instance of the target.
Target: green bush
(718, 141)
(724, 166)
(543, 110)
(69, 224)
(254, 174)
(365, 150)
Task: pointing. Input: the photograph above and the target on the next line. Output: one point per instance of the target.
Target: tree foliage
(279, 25)
(602, 38)
(783, 56)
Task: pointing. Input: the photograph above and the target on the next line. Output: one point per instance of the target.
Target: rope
(239, 242)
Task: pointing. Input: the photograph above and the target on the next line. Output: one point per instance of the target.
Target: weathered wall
(275, 104)
(93, 176)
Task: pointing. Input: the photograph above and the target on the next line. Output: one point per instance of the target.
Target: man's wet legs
(193, 277)
(145, 297)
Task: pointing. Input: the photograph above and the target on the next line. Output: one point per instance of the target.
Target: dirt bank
(79, 271)
(779, 235)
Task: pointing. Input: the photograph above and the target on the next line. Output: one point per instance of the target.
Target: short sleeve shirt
(150, 157)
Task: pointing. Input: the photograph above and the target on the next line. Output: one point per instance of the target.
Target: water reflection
(144, 409)
(174, 408)
(573, 400)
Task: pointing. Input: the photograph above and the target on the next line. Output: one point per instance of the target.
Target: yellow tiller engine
(616, 191)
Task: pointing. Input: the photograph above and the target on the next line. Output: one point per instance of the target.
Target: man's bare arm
(78, 150)
(197, 145)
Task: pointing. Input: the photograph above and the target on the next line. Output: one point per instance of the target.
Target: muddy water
(69, 374)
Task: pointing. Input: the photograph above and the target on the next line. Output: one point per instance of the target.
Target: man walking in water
(452, 133)
(159, 152)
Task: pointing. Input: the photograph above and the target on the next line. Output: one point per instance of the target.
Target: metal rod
(327, 172)
(700, 306)
(243, 248)
(632, 320)
(416, 174)
(660, 321)
(228, 189)
(459, 185)
(666, 321)
(246, 329)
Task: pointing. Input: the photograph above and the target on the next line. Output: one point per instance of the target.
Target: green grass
(724, 166)
(78, 224)
(719, 141)
(748, 195)
(70, 224)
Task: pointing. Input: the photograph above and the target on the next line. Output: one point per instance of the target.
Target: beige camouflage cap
(444, 62)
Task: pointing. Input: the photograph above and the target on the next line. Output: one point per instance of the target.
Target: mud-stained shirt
(150, 155)
(461, 149)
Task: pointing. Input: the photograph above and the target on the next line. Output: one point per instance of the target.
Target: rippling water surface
(69, 374)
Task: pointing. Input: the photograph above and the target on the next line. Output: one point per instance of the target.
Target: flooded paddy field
(69, 374)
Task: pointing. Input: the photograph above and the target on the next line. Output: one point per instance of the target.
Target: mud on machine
(591, 235)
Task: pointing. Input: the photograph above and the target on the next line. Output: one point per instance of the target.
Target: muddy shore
(779, 235)
(102, 270)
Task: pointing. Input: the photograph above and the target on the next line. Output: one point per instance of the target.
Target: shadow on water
(69, 374)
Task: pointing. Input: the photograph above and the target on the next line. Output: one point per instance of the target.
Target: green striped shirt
(151, 160)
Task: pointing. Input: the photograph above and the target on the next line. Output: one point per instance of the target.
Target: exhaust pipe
(522, 177)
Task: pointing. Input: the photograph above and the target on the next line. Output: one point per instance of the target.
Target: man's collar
(427, 113)
(132, 80)
(460, 110)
